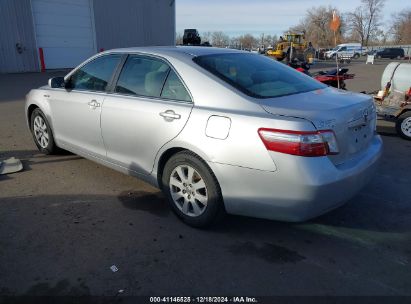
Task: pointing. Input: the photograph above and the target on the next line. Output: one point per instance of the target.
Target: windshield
(257, 76)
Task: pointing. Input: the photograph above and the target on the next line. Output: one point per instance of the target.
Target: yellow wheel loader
(293, 45)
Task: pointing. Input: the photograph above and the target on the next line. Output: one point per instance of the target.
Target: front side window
(95, 75)
(257, 76)
(142, 76)
(174, 88)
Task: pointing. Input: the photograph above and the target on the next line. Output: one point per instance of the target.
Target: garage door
(65, 31)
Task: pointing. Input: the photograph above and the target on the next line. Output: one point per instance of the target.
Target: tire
(356, 56)
(198, 206)
(42, 133)
(379, 57)
(403, 125)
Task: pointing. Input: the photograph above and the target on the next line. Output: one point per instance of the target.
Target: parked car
(320, 53)
(346, 50)
(391, 53)
(218, 130)
(364, 51)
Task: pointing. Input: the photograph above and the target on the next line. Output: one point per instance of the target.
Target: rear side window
(174, 88)
(258, 76)
(95, 75)
(142, 76)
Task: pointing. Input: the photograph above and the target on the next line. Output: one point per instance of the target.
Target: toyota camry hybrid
(217, 130)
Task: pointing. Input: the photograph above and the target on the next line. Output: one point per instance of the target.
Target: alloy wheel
(188, 190)
(40, 132)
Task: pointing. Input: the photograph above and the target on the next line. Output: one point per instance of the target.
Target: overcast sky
(237, 17)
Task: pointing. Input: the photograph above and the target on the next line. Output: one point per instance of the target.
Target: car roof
(192, 51)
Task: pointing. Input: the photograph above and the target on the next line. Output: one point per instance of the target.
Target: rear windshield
(257, 75)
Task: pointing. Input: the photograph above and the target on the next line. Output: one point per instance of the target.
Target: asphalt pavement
(65, 220)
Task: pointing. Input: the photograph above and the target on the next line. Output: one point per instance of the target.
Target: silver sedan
(217, 130)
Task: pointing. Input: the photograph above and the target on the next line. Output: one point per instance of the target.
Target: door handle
(170, 115)
(93, 104)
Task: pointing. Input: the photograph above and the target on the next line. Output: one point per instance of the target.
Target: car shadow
(360, 215)
(387, 131)
(154, 203)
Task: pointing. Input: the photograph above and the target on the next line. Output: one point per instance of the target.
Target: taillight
(302, 143)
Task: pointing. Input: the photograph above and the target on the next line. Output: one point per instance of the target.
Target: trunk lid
(350, 115)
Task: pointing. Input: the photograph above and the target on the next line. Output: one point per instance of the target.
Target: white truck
(345, 50)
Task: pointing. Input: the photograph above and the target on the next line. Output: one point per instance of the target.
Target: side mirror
(57, 82)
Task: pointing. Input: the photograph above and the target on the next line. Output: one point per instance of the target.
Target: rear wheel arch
(163, 160)
(170, 152)
(214, 205)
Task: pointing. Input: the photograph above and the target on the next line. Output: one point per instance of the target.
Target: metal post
(336, 61)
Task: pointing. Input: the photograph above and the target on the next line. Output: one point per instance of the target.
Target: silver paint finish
(76, 119)
(134, 128)
(301, 189)
(130, 134)
(340, 111)
(218, 127)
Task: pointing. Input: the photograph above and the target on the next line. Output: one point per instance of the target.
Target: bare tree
(273, 41)
(248, 41)
(267, 40)
(206, 37)
(365, 20)
(356, 24)
(235, 43)
(179, 38)
(220, 39)
(316, 26)
(401, 27)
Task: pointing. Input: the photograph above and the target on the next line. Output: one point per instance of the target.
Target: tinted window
(142, 76)
(95, 75)
(174, 88)
(257, 75)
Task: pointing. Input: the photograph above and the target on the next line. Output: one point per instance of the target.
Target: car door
(76, 109)
(342, 52)
(148, 107)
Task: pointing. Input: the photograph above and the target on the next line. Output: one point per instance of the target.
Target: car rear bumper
(301, 188)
